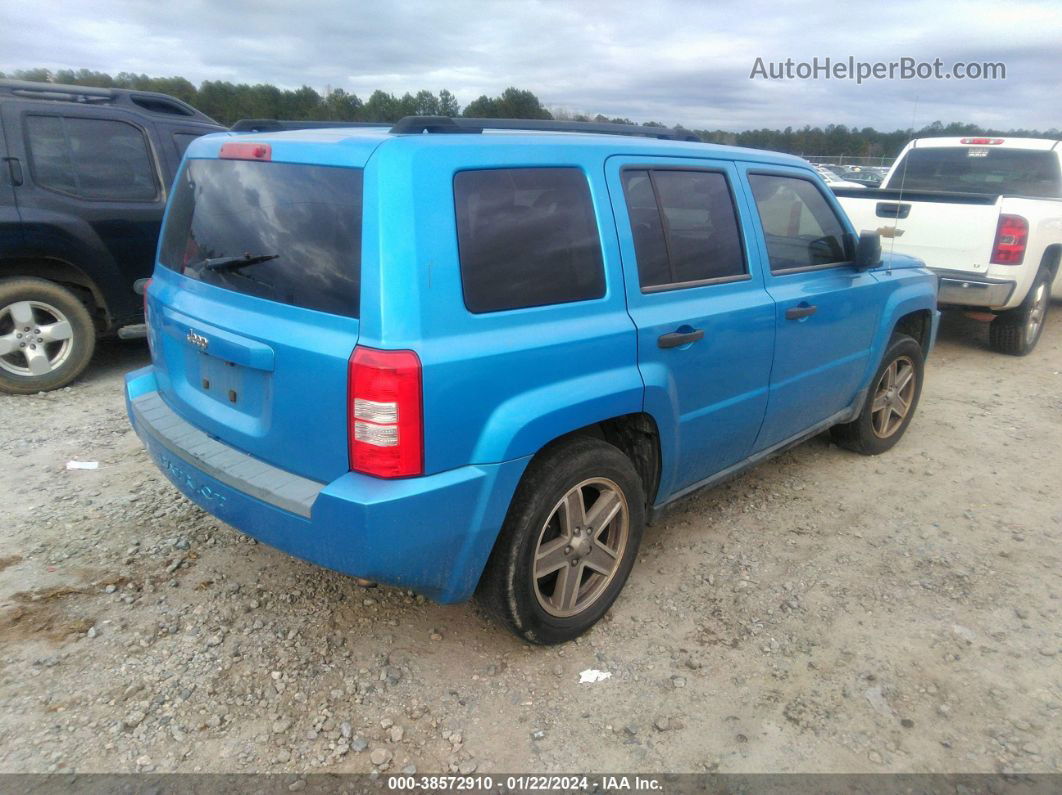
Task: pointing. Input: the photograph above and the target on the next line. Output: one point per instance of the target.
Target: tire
(46, 336)
(591, 476)
(876, 430)
(1017, 331)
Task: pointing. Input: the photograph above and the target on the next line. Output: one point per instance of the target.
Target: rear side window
(980, 169)
(801, 229)
(98, 159)
(684, 227)
(527, 237)
(297, 227)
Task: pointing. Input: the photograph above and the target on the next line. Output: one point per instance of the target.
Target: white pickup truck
(985, 213)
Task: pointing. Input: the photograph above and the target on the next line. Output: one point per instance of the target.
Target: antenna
(903, 179)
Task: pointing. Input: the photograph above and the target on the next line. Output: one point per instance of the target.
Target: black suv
(83, 186)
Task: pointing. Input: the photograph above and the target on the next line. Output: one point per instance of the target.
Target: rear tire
(568, 543)
(46, 336)
(1017, 331)
(890, 403)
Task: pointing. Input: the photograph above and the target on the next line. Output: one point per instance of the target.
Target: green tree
(341, 106)
(381, 106)
(512, 104)
(448, 104)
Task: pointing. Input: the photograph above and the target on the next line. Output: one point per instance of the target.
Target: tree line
(227, 102)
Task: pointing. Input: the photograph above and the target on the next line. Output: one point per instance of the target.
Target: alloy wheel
(580, 547)
(893, 395)
(35, 338)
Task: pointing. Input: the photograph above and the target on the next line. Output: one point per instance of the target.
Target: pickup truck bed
(954, 234)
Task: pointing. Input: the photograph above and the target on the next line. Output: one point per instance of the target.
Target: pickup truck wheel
(568, 542)
(891, 400)
(46, 336)
(1016, 332)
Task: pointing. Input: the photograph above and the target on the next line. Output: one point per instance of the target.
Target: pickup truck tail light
(1012, 235)
(385, 413)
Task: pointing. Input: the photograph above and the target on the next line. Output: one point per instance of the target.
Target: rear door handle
(15, 169)
(678, 338)
(797, 312)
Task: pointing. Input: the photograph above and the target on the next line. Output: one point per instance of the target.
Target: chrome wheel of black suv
(890, 403)
(46, 336)
(568, 543)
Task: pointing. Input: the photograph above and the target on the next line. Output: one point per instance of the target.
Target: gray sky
(675, 62)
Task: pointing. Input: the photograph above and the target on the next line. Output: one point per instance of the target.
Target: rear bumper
(961, 289)
(432, 534)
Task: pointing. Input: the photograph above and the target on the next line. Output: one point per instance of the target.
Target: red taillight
(1012, 234)
(982, 141)
(239, 151)
(384, 414)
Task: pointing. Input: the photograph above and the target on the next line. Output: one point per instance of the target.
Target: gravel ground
(824, 612)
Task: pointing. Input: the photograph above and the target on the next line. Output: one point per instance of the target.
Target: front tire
(890, 403)
(568, 543)
(1016, 332)
(46, 336)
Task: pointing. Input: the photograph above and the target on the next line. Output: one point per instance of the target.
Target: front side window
(684, 226)
(527, 237)
(800, 227)
(97, 159)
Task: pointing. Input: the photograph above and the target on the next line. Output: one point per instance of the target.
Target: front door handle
(797, 312)
(678, 338)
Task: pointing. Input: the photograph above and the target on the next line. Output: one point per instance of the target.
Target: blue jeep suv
(465, 361)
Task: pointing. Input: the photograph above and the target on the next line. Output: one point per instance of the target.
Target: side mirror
(868, 251)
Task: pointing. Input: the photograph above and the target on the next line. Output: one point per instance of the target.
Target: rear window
(980, 169)
(297, 227)
(527, 237)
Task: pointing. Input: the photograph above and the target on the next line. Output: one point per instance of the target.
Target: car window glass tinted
(305, 219)
(647, 229)
(684, 226)
(801, 229)
(91, 158)
(527, 237)
(980, 169)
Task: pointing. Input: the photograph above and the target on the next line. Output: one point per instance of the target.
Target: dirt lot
(825, 612)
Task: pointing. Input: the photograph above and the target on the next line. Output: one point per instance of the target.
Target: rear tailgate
(253, 314)
(953, 231)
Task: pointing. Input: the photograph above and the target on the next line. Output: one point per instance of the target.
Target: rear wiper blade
(231, 263)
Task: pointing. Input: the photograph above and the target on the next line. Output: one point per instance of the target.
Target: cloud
(671, 61)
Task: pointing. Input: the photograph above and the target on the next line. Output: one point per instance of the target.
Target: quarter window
(801, 229)
(684, 226)
(527, 237)
(91, 158)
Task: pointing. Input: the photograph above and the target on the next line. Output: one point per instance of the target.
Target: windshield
(280, 231)
(980, 169)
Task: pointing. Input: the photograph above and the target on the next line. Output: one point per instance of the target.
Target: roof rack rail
(460, 124)
(70, 93)
(276, 125)
(149, 101)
